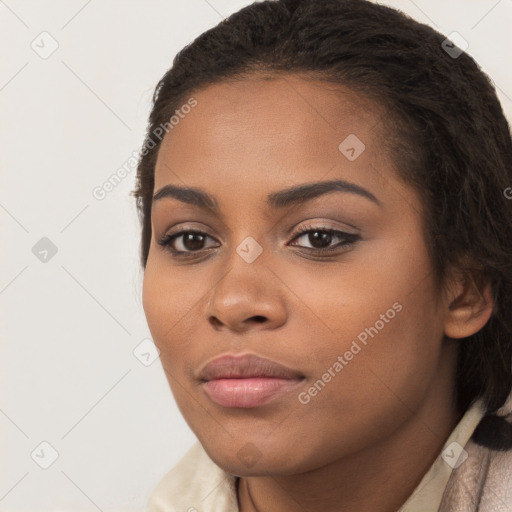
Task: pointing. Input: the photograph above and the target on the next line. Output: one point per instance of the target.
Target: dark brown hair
(446, 132)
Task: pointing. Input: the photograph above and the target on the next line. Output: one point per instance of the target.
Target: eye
(321, 238)
(184, 242)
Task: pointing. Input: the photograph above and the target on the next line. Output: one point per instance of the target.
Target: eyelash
(350, 240)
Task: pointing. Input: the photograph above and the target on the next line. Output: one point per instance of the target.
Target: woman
(327, 245)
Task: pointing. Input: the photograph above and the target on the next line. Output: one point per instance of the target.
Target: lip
(246, 381)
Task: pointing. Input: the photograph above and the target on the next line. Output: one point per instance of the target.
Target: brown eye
(184, 242)
(321, 239)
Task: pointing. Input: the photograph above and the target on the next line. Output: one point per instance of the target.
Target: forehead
(287, 129)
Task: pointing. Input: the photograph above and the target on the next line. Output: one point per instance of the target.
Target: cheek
(375, 387)
(166, 303)
(154, 300)
(174, 305)
(377, 313)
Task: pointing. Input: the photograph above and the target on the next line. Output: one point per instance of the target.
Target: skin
(366, 440)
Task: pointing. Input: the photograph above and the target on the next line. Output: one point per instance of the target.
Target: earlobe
(469, 311)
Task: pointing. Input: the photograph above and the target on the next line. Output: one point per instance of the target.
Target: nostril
(259, 318)
(215, 322)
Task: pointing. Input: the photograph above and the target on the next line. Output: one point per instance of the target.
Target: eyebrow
(287, 197)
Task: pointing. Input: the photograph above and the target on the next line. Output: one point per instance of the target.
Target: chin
(249, 460)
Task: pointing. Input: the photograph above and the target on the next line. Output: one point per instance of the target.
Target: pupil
(318, 239)
(189, 242)
(324, 239)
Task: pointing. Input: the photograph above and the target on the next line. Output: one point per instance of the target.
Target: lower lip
(249, 392)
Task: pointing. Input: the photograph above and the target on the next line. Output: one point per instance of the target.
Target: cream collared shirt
(197, 484)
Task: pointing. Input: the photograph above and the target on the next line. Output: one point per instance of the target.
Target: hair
(446, 133)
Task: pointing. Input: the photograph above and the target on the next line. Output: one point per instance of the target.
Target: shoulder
(193, 484)
(483, 482)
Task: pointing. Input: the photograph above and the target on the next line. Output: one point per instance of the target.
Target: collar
(197, 483)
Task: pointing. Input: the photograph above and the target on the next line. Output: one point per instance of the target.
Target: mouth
(246, 381)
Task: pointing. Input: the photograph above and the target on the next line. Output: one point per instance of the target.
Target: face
(333, 284)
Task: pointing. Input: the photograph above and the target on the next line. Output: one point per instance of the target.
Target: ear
(470, 306)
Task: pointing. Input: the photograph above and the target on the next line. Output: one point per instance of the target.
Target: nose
(248, 297)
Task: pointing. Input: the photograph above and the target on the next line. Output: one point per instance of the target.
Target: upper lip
(245, 366)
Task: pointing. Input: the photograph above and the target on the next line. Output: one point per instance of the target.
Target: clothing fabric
(465, 477)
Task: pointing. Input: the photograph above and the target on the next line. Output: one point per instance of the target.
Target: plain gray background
(70, 282)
